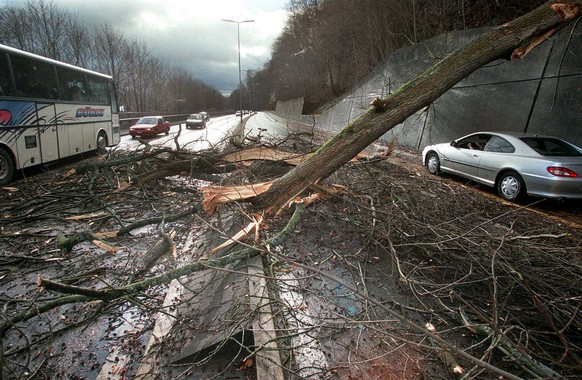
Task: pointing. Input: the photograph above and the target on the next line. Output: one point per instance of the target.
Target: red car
(150, 126)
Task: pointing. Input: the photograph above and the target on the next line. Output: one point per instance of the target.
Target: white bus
(51, 110)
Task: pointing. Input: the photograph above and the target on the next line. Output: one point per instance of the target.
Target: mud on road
(500, 282)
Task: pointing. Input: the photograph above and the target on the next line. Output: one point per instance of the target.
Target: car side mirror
(454, 143)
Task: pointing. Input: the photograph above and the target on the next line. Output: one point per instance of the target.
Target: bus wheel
(102, 143)
(6, 167)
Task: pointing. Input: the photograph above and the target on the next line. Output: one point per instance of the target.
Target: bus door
(70, 129)
(47, 132)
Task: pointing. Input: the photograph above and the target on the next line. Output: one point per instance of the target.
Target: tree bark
(513, 40)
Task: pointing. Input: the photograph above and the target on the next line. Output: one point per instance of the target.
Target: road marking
(310, 359)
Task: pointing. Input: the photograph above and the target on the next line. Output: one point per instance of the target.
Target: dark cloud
(191, 35)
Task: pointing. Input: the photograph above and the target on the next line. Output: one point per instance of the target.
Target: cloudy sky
(190, 33)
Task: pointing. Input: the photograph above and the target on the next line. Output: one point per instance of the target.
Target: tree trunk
(513, 40)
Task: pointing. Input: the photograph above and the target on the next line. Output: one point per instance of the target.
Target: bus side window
(33, 79)
(5, 85)
(46, 80)
(98, 89)
(22, 75)
(72, 84)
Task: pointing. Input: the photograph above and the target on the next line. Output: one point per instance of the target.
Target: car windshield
(196, 116)
(147, 120)
(548, 146)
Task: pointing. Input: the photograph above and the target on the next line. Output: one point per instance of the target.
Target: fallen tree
(513, 40)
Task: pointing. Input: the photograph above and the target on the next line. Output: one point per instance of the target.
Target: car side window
(548, 146)
(559, 148)
(473, 142)
(499, 144)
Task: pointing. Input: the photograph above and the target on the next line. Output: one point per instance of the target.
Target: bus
(50, 110)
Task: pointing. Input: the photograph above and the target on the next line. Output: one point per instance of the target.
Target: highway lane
(263, 126)
(216, 132)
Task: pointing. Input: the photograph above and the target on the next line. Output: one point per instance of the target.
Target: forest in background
(326, 48)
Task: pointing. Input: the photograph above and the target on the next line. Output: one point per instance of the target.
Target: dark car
(513, 163)
(150, 126)
(196, 120)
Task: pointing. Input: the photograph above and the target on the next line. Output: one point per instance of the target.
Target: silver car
(196, 120)
(513, 163)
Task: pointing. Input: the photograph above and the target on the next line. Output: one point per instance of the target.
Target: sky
(191, 34)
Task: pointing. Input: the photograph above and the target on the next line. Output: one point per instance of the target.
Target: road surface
(260, 125)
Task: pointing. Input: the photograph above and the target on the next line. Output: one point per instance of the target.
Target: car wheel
(433, 163)
(6, 167)
(510, 186)
(167, 131)
(102, 143)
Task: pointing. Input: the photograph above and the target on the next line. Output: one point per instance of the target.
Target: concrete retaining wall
(290, 109)
(541, 93)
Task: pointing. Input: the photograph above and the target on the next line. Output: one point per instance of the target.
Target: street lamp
(239, 70)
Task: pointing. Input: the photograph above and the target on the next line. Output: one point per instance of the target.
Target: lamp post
(239, 69)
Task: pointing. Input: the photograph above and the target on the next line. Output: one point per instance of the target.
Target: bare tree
(295, 6)
(109, 47)
(78, 40)
(15, 28)
(138, 56)
(49, 27)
